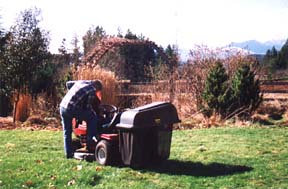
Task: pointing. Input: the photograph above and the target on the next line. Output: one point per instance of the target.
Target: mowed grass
(200, 158)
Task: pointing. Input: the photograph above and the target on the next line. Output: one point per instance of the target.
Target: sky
(185, 23)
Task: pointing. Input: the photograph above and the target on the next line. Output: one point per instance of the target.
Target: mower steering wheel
(107, 110)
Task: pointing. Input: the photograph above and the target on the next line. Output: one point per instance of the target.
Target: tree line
(27, 66)
(218, 83)
(276, 59)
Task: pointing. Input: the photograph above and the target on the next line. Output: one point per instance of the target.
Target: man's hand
(99, 95)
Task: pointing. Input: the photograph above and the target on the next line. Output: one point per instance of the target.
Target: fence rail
(162, 86)
(274, 86)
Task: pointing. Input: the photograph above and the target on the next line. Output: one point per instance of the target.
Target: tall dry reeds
(108, 78)
(23, 107)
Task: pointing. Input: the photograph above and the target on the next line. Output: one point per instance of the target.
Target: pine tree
(245, 91)
(282, 61)
(92, 36)
(215, 93)
(270, 59)
(26, 52)
(240, 98)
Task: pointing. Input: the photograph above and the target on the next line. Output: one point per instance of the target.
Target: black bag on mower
(145, 133)
(136, 137)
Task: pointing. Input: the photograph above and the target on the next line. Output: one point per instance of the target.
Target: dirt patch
(7, 123)
(33, 123)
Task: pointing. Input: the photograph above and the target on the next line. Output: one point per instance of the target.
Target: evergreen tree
(245, 91)
(5, 88)
(275, 60)
(172, 53)
(26, 52)
(215, 93)
(241, 98)
(271, 58)
(92, 36)
(274, 52)
(282, 61)
(162, 69)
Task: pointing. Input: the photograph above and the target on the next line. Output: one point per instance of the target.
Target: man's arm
(94, 102)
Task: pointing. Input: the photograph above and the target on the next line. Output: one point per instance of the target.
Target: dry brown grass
(273, 107)
(108, 78)
(37, 119)
(271, 113)
(23, 107)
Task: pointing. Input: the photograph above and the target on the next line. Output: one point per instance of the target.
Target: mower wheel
(103, 153)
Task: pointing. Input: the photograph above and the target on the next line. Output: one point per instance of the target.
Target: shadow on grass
(175, 167)
(95, 180)
(198, 169)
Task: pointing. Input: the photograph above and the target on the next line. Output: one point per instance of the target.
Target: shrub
(240, 98)
(216, 93)
(200, 62)
(245, 92)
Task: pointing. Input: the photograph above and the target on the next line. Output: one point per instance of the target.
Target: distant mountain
(259, 47)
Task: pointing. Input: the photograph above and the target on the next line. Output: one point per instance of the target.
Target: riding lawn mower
(135, 137)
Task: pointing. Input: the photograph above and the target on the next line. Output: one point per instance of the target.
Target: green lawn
(200, 158)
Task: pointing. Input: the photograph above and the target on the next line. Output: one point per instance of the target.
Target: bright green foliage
(215, 93)
(245, 91)
(240, 98)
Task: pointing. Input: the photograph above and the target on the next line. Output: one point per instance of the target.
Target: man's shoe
(70, 156)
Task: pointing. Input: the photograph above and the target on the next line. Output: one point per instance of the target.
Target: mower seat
(81, 129)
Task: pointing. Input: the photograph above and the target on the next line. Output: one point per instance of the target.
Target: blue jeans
(66, 116)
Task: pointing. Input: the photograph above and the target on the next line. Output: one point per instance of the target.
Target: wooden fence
(275, 90)
(272, 90)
